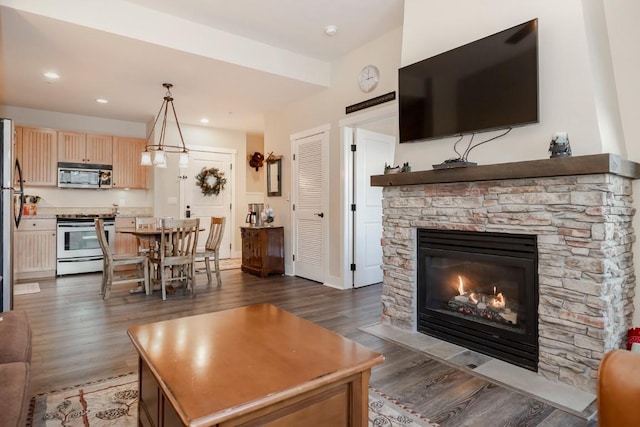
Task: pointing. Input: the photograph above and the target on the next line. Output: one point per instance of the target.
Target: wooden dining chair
(175, 258)
(111, 261)
(146, 245)
(212, 248)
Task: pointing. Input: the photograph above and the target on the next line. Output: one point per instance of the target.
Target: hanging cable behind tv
(463, 160)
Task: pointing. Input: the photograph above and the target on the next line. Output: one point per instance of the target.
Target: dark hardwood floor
(78, 337)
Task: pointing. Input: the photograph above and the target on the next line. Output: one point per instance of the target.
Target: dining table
(150, 234)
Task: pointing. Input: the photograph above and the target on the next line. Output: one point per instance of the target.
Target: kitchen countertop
(51, 212)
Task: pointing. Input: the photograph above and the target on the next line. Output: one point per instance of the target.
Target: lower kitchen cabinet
(34, 253)
(125, 243)
(262, 250)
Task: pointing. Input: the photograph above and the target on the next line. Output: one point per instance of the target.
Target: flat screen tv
(488, 84)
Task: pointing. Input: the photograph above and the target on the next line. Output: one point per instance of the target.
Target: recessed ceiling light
(51, 75)
(102, 101)
(203, 120)
(331, 30)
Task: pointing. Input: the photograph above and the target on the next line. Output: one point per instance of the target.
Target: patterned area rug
(113, 402)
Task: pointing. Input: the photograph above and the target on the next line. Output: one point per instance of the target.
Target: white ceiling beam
(136, 22)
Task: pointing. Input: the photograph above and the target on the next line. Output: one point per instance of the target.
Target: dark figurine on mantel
(559, 146)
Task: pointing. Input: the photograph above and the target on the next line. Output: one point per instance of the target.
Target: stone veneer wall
(586, 274)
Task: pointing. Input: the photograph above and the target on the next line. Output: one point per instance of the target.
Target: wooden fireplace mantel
(560, 166)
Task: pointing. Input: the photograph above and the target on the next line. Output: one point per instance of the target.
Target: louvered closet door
(311, 207)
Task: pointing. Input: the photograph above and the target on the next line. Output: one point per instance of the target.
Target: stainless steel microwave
(80, 175)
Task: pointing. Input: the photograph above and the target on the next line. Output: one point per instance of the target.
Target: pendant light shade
(159, 158)
(184, 160)
(145, 158)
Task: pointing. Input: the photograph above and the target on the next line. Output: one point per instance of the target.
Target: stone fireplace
(578, 209)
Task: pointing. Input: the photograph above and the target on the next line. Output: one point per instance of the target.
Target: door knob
(321, 214)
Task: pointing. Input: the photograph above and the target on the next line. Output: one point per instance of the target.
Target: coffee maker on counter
(254, 216)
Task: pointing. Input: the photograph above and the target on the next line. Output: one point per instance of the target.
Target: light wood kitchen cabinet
(125, 243)
(127, 172)
(34, 249)
(37, 151)
(76, 147)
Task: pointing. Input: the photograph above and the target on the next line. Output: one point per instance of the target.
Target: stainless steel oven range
(77, 244)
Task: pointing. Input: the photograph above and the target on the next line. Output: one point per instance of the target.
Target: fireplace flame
(460, 286)
(500, 302)
(473, 297)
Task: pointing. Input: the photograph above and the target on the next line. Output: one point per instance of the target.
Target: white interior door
(373, 150)
(204, 207)
(311, 205)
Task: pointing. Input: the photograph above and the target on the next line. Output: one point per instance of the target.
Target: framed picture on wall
(274, 173)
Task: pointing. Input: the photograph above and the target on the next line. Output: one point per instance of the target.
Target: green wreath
(202, 181)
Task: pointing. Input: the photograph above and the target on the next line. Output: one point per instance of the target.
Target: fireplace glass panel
(481, 291)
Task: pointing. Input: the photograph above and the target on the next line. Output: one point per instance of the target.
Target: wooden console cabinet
(262, 250)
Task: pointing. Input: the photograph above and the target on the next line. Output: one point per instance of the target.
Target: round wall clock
(368, 78)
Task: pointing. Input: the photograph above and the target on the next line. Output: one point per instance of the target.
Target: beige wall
(167, 183)
(588, 87)
(587, 75)
(256, 181)
(571, 98)
(327, 107)
(56, 197)
(624, 33)
(164, 181)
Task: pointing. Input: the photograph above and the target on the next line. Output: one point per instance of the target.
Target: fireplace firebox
(480, 290)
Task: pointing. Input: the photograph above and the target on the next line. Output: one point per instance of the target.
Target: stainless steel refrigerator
(11, 205)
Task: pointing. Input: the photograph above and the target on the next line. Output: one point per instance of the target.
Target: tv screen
(488, 84)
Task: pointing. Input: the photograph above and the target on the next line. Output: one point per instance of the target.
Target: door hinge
(230, 166)
(353, 207)
(294, 257)
(353, 147)
(294, 156)
(230, 206)
(294, 207)
(353, 267)
(229, 246)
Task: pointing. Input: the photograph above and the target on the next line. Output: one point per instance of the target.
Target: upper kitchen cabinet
(37, 151)
(75, 147)
(127, 172)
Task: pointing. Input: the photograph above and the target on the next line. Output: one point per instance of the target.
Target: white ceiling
(229, 61)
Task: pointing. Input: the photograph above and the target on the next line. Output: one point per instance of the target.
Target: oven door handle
(89, 237)
(81, 259)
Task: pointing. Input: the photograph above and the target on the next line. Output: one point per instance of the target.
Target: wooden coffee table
(252, 365)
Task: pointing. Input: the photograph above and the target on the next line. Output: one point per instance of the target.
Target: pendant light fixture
(160, 150)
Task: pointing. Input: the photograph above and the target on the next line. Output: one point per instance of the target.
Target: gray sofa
(15, 360)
